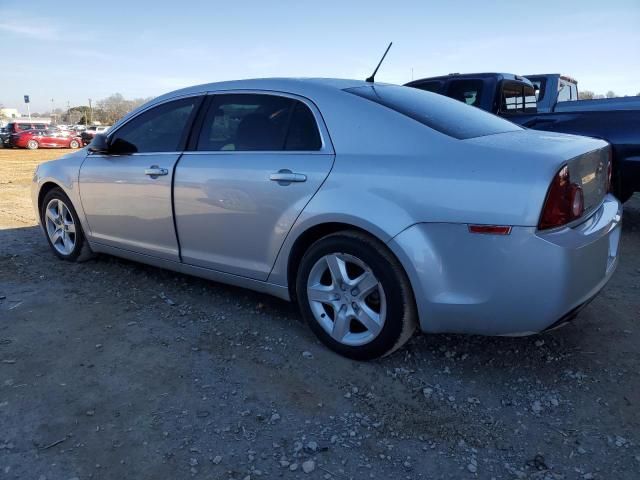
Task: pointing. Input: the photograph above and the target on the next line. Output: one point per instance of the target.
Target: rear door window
(258, 122)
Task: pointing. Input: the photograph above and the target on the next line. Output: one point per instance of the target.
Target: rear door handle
(285, 177)
(154, 171)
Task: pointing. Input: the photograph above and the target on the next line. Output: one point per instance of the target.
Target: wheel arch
(45, 188)
(314, 233)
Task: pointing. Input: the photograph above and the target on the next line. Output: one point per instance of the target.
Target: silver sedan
(377, 208)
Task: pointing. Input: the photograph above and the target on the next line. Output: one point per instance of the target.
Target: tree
(110, 109)
(586, 95)
(611, 94)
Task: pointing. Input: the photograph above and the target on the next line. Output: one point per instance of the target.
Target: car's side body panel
(126, 208)
(507, 285)
(231, 217)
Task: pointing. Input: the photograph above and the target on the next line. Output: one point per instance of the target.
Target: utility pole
(53, 115)
(90, 112)
(69, 111)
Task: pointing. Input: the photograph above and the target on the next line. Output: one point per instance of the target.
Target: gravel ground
(112, 370)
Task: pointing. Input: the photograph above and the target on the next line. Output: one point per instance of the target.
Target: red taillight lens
(564, 202)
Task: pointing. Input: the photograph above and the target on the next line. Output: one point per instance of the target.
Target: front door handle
(154, 171)
(285, 177)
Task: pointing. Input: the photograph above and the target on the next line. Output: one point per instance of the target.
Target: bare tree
(110, 109)
(586, 95)
(611, 94)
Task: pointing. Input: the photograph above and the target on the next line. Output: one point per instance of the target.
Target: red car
(33, 139)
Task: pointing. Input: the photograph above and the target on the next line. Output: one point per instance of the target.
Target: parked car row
(34, 135)
(378, 208)
(50, 138)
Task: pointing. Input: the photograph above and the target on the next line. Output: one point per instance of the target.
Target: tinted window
(530, 100)
(256, 122)
(436, 111)
(428, 86)
(161, 129)
(467, 91)
(518, 98)
(512, 99)
(303, 134)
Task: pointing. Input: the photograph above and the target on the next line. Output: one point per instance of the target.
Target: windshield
(438, 112)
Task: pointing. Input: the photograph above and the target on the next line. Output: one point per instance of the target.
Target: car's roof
(292, 85)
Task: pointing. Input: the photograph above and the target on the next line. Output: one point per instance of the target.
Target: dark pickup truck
(515, 97)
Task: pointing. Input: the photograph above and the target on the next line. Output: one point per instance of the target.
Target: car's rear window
(441, 113)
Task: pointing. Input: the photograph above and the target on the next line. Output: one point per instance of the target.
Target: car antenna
(371, 78)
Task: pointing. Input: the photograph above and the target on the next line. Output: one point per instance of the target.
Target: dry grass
(16, 172)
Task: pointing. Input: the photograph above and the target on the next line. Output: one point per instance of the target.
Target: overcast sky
(91, 49)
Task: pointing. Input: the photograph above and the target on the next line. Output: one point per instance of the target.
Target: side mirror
(99, 144)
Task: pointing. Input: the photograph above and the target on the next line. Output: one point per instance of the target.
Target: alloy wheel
(346, 299)
(60, 226)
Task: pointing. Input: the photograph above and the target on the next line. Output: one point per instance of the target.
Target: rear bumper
(517, 284)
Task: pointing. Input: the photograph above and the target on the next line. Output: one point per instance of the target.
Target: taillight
(564, 202)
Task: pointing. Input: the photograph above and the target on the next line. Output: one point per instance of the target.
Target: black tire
(401, 314)
(32, 145)
(81, 251)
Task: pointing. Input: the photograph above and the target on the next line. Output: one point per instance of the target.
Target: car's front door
(126, 194)
(257, 162)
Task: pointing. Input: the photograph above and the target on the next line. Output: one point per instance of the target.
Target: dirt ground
(115, 370)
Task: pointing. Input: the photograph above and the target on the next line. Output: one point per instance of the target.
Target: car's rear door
(126, 194)
(258, 160)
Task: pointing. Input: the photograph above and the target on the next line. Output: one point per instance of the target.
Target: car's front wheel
(74, 144)
(355, 296)
(62, 227)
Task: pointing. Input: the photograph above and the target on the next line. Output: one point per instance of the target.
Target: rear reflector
(490, 229)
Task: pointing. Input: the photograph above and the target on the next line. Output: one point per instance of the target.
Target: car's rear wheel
(62, 227)
(355, 296)
(32, 145)
(74, 144)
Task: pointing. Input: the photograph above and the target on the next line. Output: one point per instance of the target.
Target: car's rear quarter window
(438, 112)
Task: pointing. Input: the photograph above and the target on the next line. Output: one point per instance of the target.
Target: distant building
(7, 114)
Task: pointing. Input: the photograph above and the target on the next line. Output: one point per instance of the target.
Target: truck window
(530, 100)
(512, 99)
(518, 98)
(429, 86)
(467, 91)
(574, 91)
(564, 91)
